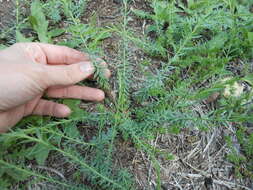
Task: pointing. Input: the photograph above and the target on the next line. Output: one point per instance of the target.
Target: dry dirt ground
(199, 156)
(7, 13)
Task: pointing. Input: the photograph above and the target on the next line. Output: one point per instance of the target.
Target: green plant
(189, 49)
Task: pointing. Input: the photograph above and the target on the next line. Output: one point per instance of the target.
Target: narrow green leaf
(141, 13)
(40, 152)
(74, 106)
(71, 131)
(21, 38)
(250, 37)
(17, 175)
(249, 78)
(56, 32)
(39, 22)
(2, 46)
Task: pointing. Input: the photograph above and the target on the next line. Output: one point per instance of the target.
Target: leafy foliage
(190, 50)
(38, 21)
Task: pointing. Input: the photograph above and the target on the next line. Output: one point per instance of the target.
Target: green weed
(189, 51)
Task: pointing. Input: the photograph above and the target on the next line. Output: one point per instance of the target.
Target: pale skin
(29, 71)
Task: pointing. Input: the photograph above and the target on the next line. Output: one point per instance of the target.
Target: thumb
(67, 74)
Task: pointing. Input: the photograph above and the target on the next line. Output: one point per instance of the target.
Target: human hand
(30, 70)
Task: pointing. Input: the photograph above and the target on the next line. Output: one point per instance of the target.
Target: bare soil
(7, 13)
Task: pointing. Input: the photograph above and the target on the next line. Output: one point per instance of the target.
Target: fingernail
(66, 111)
(87, 68)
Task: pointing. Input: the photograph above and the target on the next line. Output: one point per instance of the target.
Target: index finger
(59, 55)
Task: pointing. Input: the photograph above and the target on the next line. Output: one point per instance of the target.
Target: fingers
(54, 54)
(58, 55)
(53, 109)
(107, 73)
(66, 75)
(77, 92)
(10, 118)
(69, 74)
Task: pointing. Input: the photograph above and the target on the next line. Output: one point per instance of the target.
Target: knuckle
(67, 52)
(34, 52)
(65, 92)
